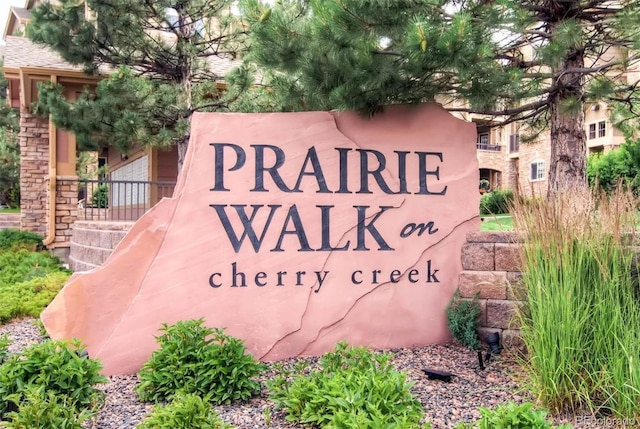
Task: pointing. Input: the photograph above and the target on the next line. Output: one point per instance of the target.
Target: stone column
(34, 172)
(66, 209)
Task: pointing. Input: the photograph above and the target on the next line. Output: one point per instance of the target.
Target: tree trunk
(568, 163)
(187, 31)
(182, 144)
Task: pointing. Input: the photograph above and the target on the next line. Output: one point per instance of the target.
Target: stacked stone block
(491, 268)
(66, 208)
(93, 242)
(34, 172)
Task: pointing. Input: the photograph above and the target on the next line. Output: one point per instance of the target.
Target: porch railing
(489, 147)
(124, 200)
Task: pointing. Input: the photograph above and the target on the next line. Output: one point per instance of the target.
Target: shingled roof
(22, 52)
(221, 66)
(22, 13)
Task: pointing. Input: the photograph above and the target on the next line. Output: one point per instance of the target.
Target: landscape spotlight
(434, 374)
(493, 340)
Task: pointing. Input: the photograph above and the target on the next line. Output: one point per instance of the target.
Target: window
(483, 139)
(537, 171)
(600, 128)
(514, 143)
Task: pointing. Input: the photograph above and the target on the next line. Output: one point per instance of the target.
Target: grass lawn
(501, 222)
(16, 210)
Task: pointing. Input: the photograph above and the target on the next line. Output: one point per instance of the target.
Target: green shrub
(31, 297)
(4, 347)
(581, 312)
(196, 359)
(23, 265)
(40, 410)
(462, 317)
(55, 366)
(607, 170)
(354, 388)
(496, 202)
(512, 416)
(14, 239)
(100, 197)
(186, 411)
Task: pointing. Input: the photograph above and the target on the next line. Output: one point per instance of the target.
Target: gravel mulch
(445, 403)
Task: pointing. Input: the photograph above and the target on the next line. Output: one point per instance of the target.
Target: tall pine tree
(161, 57)
(537, 61)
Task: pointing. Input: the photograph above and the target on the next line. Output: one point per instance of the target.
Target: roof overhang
(14, 17)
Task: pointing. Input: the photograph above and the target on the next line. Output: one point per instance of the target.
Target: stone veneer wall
(528, 153)
(491, 267)
(93, 242)
(66, 208)
(34, 172)
(492, 160)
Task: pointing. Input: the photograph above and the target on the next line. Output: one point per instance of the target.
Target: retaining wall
(9, 220)
(491, 264)
(93, 242)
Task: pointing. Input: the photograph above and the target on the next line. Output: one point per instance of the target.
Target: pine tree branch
(540, 104)
(519, 62)
(359, 19)
(198, 108)
(540, 33)
(599, 69)
(391, 53)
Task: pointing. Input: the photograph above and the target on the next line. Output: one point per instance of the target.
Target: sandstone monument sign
(293, 231)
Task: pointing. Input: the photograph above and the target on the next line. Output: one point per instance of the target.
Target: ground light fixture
(493, 341)
(434, 374)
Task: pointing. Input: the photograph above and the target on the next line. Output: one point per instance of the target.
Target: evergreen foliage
(9, 150)
(15, 239)
(162, 57)
(462, 319)
(29, 279)
(29, 298)
(535, 61)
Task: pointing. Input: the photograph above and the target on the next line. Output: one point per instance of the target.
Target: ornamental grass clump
(581, 318)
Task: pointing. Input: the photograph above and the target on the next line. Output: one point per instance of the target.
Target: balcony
(489, 147)
(119, 200)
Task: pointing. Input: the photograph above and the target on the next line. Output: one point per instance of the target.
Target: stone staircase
(9, 220)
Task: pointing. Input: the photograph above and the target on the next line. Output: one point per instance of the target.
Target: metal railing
(490, 147)
(119, 200)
